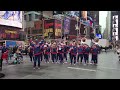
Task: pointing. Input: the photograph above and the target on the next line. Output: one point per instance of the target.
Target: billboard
(11, 18)
(66, 25)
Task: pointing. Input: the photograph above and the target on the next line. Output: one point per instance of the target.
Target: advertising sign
(66, 25)
(58, 27)
(11, 18)
(48, 27)
(11, 43)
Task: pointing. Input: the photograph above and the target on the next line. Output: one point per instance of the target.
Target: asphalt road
(108, 68)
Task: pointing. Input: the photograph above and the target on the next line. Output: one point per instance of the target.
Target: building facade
(11, 28)
(34, 23)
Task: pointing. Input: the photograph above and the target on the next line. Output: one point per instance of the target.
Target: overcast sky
(102, 19)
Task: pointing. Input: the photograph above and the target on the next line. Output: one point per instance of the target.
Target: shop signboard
(9, 34)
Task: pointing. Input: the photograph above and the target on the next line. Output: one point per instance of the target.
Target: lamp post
(77, 26)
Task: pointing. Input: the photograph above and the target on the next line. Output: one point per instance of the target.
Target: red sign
(38, 25)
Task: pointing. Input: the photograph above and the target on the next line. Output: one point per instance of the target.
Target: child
(80, 53)
(73, 53)
(46, 53)
(54, 52)
(65, 52)
(60, 53)
(86, 53)
(94, 51)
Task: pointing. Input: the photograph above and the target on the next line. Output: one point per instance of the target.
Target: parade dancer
(37, 54)
(86, 54)
(60, 53)
(65, 52)
(70, 47)
(46, 53)
(80, 53)
(54, 52)
(95, 52)
(73, 53)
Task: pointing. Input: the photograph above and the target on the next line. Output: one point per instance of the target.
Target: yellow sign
(8, 31)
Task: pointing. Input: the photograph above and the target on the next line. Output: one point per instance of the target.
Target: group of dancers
(58, 52)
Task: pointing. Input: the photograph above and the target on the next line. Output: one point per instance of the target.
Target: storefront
(9, 35)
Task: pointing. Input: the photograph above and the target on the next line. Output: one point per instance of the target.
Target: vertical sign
(115, 27)
(66, 25)
(58, 27)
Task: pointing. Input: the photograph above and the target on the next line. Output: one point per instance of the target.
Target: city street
(108, 68)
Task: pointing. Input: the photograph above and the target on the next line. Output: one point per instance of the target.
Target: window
(36, 16)
(30, 17)
(25, 17)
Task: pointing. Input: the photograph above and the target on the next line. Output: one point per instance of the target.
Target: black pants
(65, 56)
(79, 56)
(61, 57)
(31, 57)
(46, 56)
(54, 57)
(73, 57)
(57, 57)
(41, 56)
(37, 58)
(86, 57)
(95, 58)
(70, 56)
(1, 60)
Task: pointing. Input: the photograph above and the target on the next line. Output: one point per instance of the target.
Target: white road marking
(109, 68)
(82, 69)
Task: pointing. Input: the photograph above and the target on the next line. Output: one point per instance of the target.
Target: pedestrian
(54, 53)
(118, 52)
(4, 53)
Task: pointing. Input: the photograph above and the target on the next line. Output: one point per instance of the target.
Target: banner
(66, 26)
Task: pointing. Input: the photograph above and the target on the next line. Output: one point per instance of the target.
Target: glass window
(30, 17)
(25, 17)
(36, 16)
